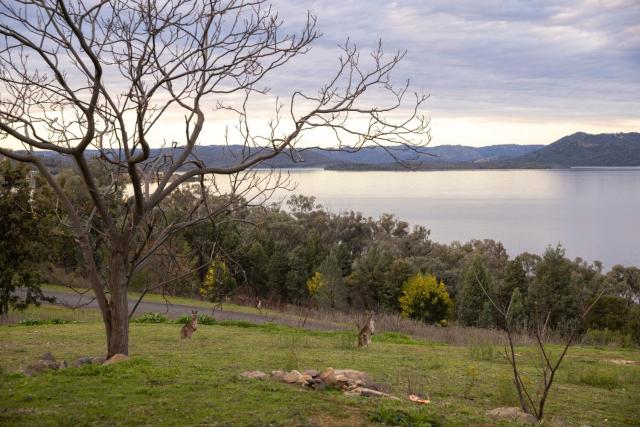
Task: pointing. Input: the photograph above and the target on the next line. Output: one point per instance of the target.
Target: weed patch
(35, 322)
(398, 417)
(151, 318)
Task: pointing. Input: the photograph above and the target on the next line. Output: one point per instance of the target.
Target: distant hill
(215, 155)
(579, 149)
(583, 149)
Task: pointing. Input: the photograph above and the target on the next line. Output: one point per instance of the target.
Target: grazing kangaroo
(366, 331)
(190, 327)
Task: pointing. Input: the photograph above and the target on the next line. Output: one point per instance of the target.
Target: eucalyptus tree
(115, 79)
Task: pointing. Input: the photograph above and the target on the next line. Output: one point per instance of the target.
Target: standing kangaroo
(366, 331)
(190, 327)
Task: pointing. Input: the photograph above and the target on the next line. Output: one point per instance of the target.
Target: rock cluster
(352, 382)
(48, 361)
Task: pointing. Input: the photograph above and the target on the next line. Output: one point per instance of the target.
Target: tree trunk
(118, 328)
(118, 321)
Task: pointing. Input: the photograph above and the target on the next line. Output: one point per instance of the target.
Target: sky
(498, 72)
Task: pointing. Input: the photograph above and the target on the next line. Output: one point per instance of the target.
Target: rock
(350, 378)
(512, 414)
(295, 377)
(316, 384)
(311, 372)
(48, 356)
(254, 375)
(43, 365)
(116, 358)
(278, 375)
(98, 360)
(83, 361)
(328, 376)
(34, 369)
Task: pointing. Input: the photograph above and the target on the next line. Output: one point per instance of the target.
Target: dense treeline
(304, 254)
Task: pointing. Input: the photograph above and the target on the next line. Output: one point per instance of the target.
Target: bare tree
(102, 78)
(533, 401)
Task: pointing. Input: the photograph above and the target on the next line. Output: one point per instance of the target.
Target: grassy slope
(174, 382)
(150, 297)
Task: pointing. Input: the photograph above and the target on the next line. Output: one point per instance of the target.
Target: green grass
(169, 381)
(150, 297)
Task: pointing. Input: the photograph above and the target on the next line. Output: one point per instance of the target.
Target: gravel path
(176, 310)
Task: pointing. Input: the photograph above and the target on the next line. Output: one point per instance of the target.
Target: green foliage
(24, 225)
(517, 312)
(633, 323)
(487, 318)
(203, 319)
(607, 338)
(151, 318)
(218, 282)
(315, 284)
(52, 321)
(425, 299)
(333, 293)
(471, 300)
(609, 312)
(552, 292)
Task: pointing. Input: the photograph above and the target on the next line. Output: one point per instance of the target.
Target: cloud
(543, 60)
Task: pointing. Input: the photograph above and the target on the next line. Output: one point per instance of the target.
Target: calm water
(594, 214)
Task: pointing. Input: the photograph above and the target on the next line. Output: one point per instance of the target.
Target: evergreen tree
(23, 231)
(552, 293)
(472, 298)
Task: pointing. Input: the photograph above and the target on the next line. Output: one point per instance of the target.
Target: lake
(593, 213)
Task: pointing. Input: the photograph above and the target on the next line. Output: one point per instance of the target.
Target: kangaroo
(366, 332)
(190, 327)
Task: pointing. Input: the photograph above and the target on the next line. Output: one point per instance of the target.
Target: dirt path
(176, 310)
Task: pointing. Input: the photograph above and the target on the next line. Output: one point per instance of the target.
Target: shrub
(151, 318)
(425, 299)
(30, 322)
(607, 338)
(203, 319)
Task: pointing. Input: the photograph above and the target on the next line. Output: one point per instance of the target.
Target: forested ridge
(303, 254)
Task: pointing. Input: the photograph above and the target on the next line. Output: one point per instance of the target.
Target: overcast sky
(497, 71)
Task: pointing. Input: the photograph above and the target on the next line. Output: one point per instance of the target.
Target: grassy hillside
(172, 382)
